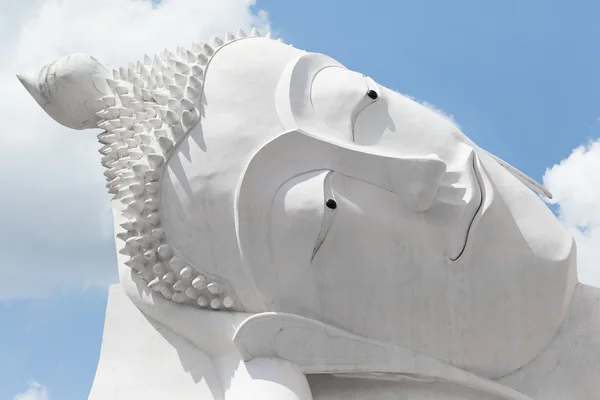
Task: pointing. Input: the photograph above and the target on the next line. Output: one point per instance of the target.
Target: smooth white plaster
(290, 229)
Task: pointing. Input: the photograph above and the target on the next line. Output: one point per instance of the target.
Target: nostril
(331, 204)
(372, 94)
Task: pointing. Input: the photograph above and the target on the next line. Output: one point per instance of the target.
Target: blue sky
(522, 79)
(519, 77)
(54, 340)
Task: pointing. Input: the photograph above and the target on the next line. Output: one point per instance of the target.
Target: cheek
(407, 128)
(369, 224)
(373, 230)
(373, 124)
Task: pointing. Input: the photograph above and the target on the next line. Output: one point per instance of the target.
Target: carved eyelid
(366, 101)
(372, 85)
(328, 214)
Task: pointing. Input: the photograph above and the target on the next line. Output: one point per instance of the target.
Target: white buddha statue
(288, 229)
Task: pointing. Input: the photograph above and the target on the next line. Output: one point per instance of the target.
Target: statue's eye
(331, 203)
(338, 95)
(317, 94)
(328, 214)
(374, 120)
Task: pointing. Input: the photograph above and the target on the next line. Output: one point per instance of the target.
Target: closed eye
(330, 207)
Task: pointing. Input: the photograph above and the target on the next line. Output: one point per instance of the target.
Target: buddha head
(252, 176)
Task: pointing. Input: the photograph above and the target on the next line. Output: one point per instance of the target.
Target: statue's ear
(69, 89)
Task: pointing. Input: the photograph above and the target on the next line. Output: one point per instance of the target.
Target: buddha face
(341, 200)
(311, 189)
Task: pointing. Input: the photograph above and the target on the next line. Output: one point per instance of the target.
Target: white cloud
(575, 184)
(35, 391)
(433, 108)
(440, 112)
(53, 208)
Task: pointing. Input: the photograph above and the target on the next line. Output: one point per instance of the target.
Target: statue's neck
(568, 367)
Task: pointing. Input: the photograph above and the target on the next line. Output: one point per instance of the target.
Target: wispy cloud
(54, 225)
(575, 184)
(439, 111)
(35, 391)
(433, 108)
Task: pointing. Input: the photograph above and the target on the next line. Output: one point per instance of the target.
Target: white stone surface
(141, 358)
(290, 229)
(570, 366)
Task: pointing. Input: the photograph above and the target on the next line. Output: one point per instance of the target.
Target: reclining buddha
(289, 229)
